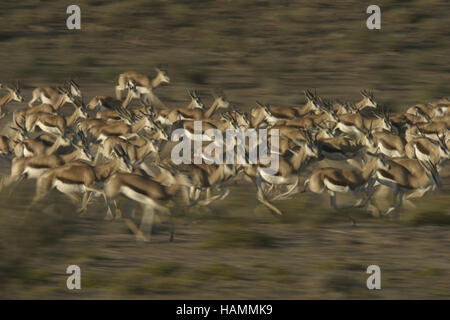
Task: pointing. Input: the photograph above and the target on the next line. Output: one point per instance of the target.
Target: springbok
(425, 111)
(285, 113)
(287, 174)
(20, 115)
(32, 167)
(205, 177)
(13, 95)
(261, 115)
(143, 84)
(355, 124)
(220, 102)
(135, 153)
(56, 97)
(151, 194)
(54, 123)
(196, 103)
(335, 180)
(122, 128)
(404, 175)
(368, 101)
(432, 130)
(169, 116)
(389, 144)
(427, 150)
(240, 118)
(36, 147)
(78, 177)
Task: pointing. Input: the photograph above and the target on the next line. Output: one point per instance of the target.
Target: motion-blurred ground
(253, 50)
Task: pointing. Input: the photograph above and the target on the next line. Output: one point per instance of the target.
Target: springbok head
(311, 147)
(162, 75)
(221, 100)
(74, 89)
(80, 141)
(431, 172)
(196, 102)
(368, 99)
(15, 92)
(313, 101)
(68, 97)
(387, 123)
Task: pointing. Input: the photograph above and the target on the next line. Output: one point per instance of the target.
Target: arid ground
(252, 50)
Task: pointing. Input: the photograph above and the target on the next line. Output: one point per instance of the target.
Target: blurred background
(268, 51)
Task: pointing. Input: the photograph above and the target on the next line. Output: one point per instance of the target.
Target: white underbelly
(386, 181)
(136, 196)
(390, 153)
(421, 156)
(69, 187)
(34, 173)
(348, 129)
(335, 187)
(26, 152)
(48, 129)
(142, 90)
(273, 179)
(44, 99)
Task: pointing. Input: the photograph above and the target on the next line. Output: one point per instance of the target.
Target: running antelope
(205, 177)
(368, 101)
(78, 177)
(432, 130)
(356, 125)
(404, 175)
(427, 150)
(135, 153)
(169, 116)
(389, 144)
(151, 194)
(54, 123)
(426, 111)
(20, 115)
(36, 147)
(196, 103)
(287, 173)
(106, 103)
(13, 95)
(284, 113)
(121, 128)
(335, 180)
(261, 115)
(56, 97)
(143, 84)
(32, 167)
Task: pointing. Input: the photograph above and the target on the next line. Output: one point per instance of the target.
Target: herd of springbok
(108, 147)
